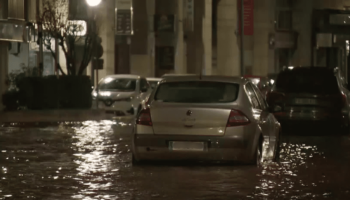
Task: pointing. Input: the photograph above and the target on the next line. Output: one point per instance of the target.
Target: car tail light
(343, 98)
(237, 118)
(144, 118)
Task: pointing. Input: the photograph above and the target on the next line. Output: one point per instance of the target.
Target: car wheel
(257, 159)
(134, 161)
(277, 151)
(258, 155)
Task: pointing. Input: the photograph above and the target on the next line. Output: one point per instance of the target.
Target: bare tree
(54, 19)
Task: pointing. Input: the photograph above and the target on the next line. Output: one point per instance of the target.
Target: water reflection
(91, 160)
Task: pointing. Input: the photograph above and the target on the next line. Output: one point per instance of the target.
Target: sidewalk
(23, 116)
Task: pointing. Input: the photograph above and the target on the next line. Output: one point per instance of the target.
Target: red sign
(248, 19)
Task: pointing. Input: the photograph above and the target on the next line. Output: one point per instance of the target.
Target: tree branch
(58, 64)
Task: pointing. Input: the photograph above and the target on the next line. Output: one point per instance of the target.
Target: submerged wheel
(277, 151)
(134, 161)
(258, 154)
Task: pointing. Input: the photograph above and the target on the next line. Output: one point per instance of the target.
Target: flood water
(92, 160)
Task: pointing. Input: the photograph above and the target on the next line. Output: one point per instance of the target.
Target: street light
(93, 2)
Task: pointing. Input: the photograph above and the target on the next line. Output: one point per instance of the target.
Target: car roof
(153, 79)
(124, 76)
(177, 75)
(303, 68)
(215, 78)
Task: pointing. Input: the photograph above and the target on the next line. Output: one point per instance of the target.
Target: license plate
(305, 101)
(187, 146)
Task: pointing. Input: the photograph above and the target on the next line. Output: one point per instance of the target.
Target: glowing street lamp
(93, 2)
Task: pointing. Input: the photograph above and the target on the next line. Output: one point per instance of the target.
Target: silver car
(208, 118)
(153, 81)
(122, 94)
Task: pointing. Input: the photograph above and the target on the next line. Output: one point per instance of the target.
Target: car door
(268, 123)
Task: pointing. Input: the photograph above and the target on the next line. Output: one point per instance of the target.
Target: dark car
(309, 95)
(263, 83)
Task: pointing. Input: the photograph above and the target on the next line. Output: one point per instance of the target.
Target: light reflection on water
(91, 160)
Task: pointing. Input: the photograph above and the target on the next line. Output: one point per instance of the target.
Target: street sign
(97, 63)
(124, 22)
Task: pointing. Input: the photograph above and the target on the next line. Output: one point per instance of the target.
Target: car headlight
(94, 94)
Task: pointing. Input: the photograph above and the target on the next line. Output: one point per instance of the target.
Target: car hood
(105, 94)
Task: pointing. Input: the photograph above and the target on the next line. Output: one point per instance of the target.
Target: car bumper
(219, 148)
(119, 108)
(311, 117)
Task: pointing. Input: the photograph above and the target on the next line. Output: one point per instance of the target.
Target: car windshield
(318, 81)
(153, 83)
(197, 92)
(121, 84)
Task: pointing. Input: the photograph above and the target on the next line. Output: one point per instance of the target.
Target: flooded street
(92, 160)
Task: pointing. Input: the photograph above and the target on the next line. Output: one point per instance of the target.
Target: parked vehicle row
(123, 95)
(220, 118)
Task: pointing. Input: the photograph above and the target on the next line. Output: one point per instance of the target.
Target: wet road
(92, 160)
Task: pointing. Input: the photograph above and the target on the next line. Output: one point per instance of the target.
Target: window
(252, 96)
(260, 97)
(121, 84)
(339, 19)
(144, 83)
(153, 84)
(308, 80)
(197, 92)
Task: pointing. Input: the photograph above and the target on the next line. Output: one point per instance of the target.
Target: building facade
(154, 37)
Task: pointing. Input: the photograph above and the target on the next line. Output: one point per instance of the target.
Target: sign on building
(123, 17)
(123, 4)
(123, 22)
(248, 19)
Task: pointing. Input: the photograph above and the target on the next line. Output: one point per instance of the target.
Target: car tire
(134, 161)
(277, 151)
(257, 158)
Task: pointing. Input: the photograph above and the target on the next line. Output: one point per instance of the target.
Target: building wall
(228, 57)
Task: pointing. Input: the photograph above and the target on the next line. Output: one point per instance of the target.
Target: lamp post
(93, 3)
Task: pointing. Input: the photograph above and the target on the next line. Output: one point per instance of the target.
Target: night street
(93, 161)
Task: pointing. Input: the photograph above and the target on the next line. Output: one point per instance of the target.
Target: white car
(121, 95)
(153, 82)
(211, 118)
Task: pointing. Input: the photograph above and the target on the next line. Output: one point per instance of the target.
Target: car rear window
(318, 81)
(197, 92)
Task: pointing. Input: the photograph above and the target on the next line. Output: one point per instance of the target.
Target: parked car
(208, 118)
(312, 95)
(153, 81)
(263, 83)
(121, 95)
